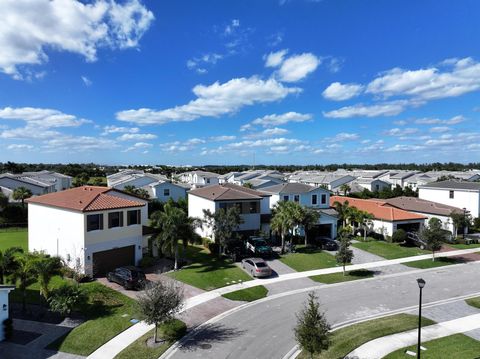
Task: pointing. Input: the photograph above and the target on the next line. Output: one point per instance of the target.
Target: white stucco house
(4, 307)
(386, 219)
(199, 178)
(453, 193)
(253, 205)
(94, 229)
(317, 198)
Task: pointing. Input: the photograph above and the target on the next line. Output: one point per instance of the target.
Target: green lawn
(465, 246)
(428, 263)
(248, 294)
(308, 259)
(207, 271)
(389, 250)
(343, 341)
(14, 237)
(474, 302)
(339, 277)
(139, 350)
(457, 346)
(108, 313)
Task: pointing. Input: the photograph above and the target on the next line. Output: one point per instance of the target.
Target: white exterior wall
(382, 227)
(58, 232)
(265, 205)
(462, 198)
(196, 205)
(176, 192)
(305, 198)
(3, 313)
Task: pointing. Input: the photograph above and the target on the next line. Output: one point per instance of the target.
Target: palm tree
(342, 210)
(345, 188)
(8, 261)
(24, 274)
(283, 219)
(365, 219)
(21, 193)
(307, 218)
(45, 268)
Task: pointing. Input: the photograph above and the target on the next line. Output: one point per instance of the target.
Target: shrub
(8, 328)
(173, 330)
(476, 224)
(399, 236)
(213, 247)
(206, 242)
(147, 261)
(64, 299)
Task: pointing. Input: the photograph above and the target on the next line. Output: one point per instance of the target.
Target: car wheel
(243, 265)
(125, 285)
(251, 272)
(109, 278)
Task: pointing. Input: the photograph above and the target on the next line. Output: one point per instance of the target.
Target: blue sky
(222, 82)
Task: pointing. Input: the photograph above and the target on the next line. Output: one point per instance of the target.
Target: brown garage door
(106, 261)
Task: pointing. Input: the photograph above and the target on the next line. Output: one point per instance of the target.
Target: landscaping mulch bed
(472, 257)
(40, 313)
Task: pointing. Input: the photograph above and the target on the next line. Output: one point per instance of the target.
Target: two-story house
(199, 178)
(317, 198)
(253, 206)
(94, 229)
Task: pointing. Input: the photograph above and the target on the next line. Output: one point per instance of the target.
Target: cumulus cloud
(138, 146)
(360, 110)
(87, 82)
(440, 129)
(72, 26)
(297, 67)
(182, 146)
(436, 121)
(19, 147)
(269, 132)
(78, 144)
(275, 59)
(213, 101)
(401, 131)
(278, 120)
(339, 92)
(137, 137)
(222, 138)
(117, 129)
(344, 136)
(404, 148)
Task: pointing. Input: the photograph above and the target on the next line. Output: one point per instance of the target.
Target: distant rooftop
(470, 186)
(227, 192)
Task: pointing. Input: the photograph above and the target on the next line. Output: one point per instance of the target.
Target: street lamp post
(421, 284)
(464, 222)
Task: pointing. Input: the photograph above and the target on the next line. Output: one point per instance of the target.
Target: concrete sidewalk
(381, 347)
(124, 339)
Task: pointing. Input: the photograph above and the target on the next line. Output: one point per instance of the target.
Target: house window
(314, 199)
(452, 194)
(166, 192)
(133, 217)
(296, 198)
(377, 187)
(208, 180)
(285, 198)
(115, 219)
(324, 198)
(253, 207)
(94, 222)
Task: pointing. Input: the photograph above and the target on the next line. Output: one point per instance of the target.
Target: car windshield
(261, 264)
(259, 243)
(136, 274)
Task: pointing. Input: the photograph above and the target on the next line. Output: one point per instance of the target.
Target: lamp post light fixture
(421, 284)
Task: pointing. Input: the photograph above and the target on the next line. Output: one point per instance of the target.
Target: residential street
(265, 329)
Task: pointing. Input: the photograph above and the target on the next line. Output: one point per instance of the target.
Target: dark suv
(259, 247)
(128, 277)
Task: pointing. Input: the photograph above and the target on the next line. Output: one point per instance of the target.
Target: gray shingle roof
(289, 188)
(471, 186)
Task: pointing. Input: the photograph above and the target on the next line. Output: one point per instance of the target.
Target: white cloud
(440, 129)
(401, 131)
(182, 146)
(297, 67)
(436, 121)
(400, 122)
(41, 117)
(359, 110)
(19, 147)
(214, 101)
(404, 148)
(265, 143)
(278, 120)
(86, 81)
(339, 92)
(344, 136)
(138, 146)
(116, 129)
(275, 59)
(137, 137)
(198, 63)
(71, 26)
(275, 39)
(78, 144)
(222, 138)
(453, 77)
(269, 132)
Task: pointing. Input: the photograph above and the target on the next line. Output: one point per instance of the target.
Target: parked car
(326, 243)
(257, 267)
(128, 277)
(414, 239)
(258, 246)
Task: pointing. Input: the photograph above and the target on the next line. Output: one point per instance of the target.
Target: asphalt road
(265, 330)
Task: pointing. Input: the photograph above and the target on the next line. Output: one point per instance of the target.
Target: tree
(21, 194)
(65, 298)
(307, 218)
(173, 224)
(460, 220)
(399, 236)
(45, 268)
(159, 303)
(344, 254)
(223, 223)
(365, 219)
(3, 201)
(283, 219)
(342, 210)
(25, 274)
(248, 185)
(345, 188)
(8, 261)
(312, 331)
(433, 235)
(139, 192)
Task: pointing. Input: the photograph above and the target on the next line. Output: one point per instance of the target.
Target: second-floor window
(94, 222)
(133, 217)
(452, 194)
(324, 198)
(296, 198)
(166, 192)
(285, 198)
(115, 219)
(314, 199)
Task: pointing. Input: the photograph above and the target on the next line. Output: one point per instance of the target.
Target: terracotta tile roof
(377, 209)
(227, 192)
(86, 199)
